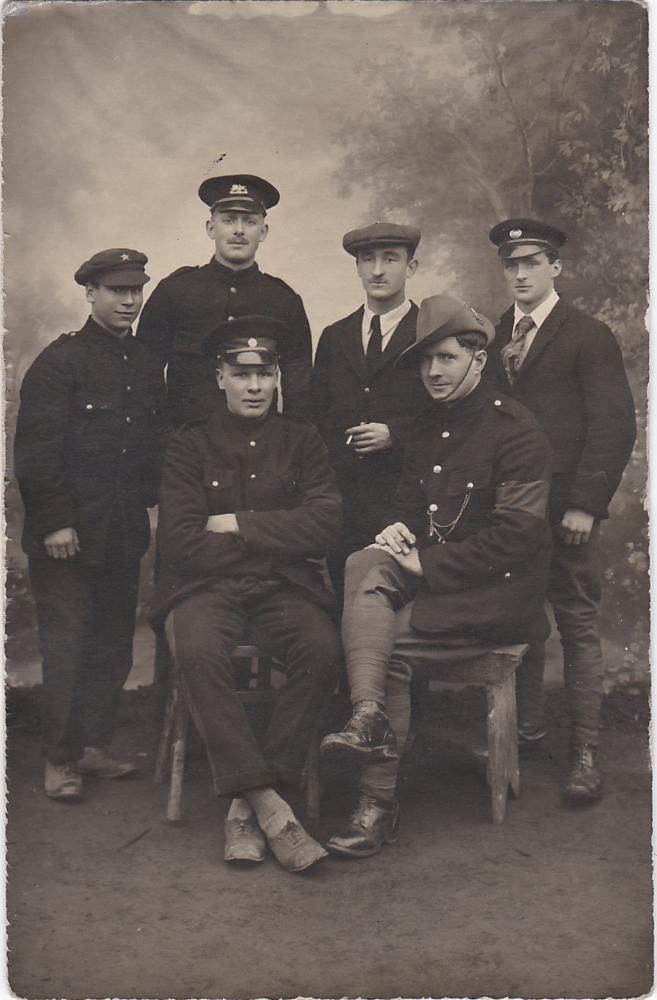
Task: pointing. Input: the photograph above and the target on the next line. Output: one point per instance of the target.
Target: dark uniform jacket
(482, 466)
(273, 473)
(345, 394)
(574, 382)
(190, 303)
(88, 443)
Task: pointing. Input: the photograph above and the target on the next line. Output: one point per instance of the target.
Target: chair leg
(180, 729)
(514, 763)
(502, 745)
(164, 746)
(312, 786)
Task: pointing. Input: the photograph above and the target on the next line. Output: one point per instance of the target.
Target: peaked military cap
(442, 316)
(238, 193)
(524, 237)
(248, 340)
(381, 234)
(118, 266)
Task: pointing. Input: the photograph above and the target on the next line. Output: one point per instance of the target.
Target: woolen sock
(272, 812)
(240, 809)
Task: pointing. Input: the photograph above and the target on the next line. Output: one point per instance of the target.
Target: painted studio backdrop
(450, 116)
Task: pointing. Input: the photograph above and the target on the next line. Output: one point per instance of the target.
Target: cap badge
(125, 256)
(515, 234)
(238, 189)
(252, 342)
(476, 316)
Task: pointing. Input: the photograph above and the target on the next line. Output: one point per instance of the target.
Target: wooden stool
(496, 671)
(255, 687)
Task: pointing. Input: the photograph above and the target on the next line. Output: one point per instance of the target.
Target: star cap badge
(125, 256)
(476, 316)
(515, 234)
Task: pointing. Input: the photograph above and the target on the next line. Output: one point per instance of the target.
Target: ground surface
(108, 899)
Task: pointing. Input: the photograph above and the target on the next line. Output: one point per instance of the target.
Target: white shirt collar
(540, 313)
(389, 320)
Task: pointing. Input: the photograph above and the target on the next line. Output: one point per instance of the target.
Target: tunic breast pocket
(95, 424)
(462, 481)
(277, 491)
(219, 489)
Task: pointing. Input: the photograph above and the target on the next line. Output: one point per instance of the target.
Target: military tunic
(273, 474)
(88, 440)
(190, 303)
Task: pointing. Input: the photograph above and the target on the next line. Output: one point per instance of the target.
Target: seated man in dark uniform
(248, 504)
(461, 566)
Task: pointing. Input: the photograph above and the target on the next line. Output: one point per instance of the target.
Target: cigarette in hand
(349, 440)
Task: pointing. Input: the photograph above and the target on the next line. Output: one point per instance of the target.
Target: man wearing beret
(248, 506)
(461, 566)
(566, 367)
(189, 303)
(86, 455)
(362, 402)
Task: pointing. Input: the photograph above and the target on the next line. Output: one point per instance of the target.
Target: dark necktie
(374, 344)
(514, 352)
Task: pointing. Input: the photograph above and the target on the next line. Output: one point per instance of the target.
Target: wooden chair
(496, 672)
(253, 678)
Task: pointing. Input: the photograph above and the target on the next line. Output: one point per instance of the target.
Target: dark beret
(238, 193)
(442, 316)
(118, 266)
(381, 234)
(523, 237)
(248, 340)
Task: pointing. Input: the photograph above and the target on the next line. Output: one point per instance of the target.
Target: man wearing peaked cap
(362, 403)
(190, 302)
(248, 504)
(88, 441)
(566, 367)
(459, 565)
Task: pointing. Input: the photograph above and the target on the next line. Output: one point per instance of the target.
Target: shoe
(367, 735)
(373, 823)
(584, 782)
(295, 849)
(244, 840)
(63, 782)
(100, 764)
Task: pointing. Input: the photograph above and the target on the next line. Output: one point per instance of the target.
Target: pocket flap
(465, 480)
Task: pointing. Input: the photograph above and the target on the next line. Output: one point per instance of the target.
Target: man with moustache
(362, 403)
(88, 439)
(459, 569)
(248, 506)
(566, 367)
(191, 301)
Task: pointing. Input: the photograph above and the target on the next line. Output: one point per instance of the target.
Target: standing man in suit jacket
(362, 403)
(567, 368)
(188, 304)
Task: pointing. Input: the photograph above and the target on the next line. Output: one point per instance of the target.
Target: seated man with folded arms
(461, 567)
(248, 504)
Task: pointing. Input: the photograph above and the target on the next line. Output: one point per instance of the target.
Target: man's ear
(209, 227)
(412, 267)
(556, 268)
(220, 378)
(263, 232)
(90, 293)
(480, 359)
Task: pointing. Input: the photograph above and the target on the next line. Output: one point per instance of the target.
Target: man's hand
(62, 544)
(576, 526)
(396, 537)
(410, 560)
(367, 438)
(223, 524)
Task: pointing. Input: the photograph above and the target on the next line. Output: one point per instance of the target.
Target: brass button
(128, 388)
(507, 575)
(437, 468)
(89, 406)
(128, 420)
(366, 389)
(252, 476)
(215, 482)
(445, 434)
(470, 486)
(233, 290)
(433, 507)
(252, 443)
(498, 402)
(124, 451)
(230, 319)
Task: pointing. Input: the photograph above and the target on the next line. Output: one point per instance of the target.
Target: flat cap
(119, 266)
(248, 340)
(442, 316)
(238, 193)
(524, 237)
(381, 234)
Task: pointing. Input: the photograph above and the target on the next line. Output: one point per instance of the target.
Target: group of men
(450, 475)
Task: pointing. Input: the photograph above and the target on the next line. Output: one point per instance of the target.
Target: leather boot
(584, 782)
(373, 823)
(367, 736)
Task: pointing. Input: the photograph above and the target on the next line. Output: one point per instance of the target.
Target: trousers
(382, 649)
(202, 632)
(574, 591)
(86, 621)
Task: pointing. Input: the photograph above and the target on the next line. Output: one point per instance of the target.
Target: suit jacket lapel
(403, 337)
(547, 332)
(352, 344)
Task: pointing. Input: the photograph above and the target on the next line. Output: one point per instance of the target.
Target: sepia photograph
(326, 362)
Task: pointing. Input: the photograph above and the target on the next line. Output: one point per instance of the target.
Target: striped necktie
(513, 354)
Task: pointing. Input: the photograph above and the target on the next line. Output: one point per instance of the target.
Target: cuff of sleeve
(591, 493)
